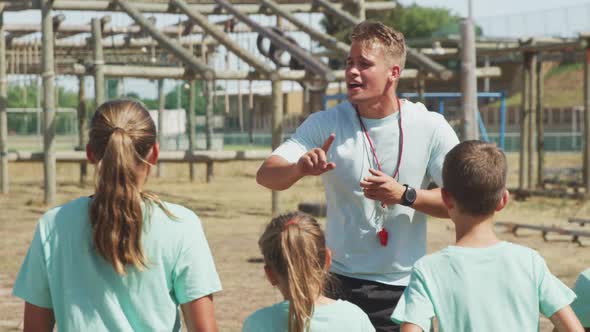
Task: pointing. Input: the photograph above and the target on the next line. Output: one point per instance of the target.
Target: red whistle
(382, 234)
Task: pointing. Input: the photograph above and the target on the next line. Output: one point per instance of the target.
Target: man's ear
(90, 154)
(270, 276)
(447, 199)
(154, 154)
(504, 200)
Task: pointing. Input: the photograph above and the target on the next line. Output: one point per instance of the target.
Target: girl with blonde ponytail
(121, 259)
(296, 262)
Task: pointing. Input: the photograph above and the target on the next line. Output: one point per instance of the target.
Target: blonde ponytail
(293, 246)
(122, 134)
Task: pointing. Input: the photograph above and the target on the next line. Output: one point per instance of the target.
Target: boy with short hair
(481, 283)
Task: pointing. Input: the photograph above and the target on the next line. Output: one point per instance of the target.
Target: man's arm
(565, 320)
(384, 188)
(277, 173)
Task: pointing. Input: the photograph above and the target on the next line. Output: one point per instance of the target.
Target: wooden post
(524, 121)
(587, 120)
(277, 131)
(421, 81)
(251, 113)
(532, 105)
(3, 114)
(191, 125)
(468, 81)
(161, 105)
(48, 102)
(209, 123)
(540, 126)
(99, 82)
(82, 126)
(240, 108)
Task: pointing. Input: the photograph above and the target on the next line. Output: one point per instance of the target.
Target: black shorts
(377, 300)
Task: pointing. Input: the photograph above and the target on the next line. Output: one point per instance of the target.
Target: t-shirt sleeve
(415, 305)
(32, 283)
(554, 295)
(307, 136)
(581, 305)
(194, 274)
(443, 140)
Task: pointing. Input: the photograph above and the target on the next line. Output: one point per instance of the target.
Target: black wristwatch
(409, 196)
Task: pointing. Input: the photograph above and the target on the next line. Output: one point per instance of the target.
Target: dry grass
(234, 211)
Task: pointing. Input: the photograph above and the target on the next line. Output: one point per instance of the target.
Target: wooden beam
(468, 81)
(314, 65)
(324, 39)
(48, 75)
(205, 8)
(82, 126)
(188, 59)
(98, 65)
(217, 33)
(277, 131)
(192, 100)
(161, 72)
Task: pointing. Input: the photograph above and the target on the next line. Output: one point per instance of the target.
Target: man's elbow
(266, 181)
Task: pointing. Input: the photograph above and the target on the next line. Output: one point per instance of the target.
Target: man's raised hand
(315, 162)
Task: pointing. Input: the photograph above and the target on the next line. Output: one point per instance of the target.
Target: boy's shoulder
(509, 250)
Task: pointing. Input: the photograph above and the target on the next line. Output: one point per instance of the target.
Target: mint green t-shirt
(581, 305)
(63, 272)
(499, 288)
(332, 317)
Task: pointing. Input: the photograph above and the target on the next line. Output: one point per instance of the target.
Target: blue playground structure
(442, 96)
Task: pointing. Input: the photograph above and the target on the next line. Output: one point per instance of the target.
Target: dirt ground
(234, 210)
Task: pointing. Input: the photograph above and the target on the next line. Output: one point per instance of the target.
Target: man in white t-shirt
(376, 155)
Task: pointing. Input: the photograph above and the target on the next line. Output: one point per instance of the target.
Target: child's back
(481, 283)
(498, 288)
(63, 272)
(332, 317)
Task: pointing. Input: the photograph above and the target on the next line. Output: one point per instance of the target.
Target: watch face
(410, 195)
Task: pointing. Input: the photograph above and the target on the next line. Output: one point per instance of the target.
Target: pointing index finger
(328, 142)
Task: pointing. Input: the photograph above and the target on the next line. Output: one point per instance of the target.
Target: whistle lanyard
(401, 140)
(382, 234)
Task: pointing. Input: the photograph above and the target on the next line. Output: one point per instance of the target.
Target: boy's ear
(447, 199)
(90, 154)
(270, 276)
(503, 201)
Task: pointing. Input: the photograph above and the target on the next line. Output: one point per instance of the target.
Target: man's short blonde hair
(370, 34)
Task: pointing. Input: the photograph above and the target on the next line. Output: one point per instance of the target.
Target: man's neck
(381, 108)
(475, 232)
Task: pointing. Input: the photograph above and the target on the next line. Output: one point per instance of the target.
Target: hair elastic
(290, 222)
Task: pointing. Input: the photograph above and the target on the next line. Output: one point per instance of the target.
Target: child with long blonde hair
(296, 262)
(121, 259)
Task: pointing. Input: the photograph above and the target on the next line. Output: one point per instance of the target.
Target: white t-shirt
(353, 220)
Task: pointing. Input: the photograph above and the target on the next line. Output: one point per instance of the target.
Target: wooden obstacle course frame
(545, 230)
